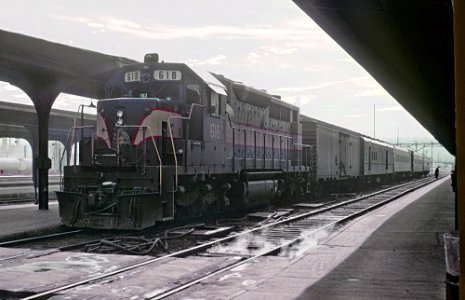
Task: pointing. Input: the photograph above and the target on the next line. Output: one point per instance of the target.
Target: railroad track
(280, 237)
(19, 189)
(22, 198)
(39, 238)
(8, 181)
(23, 241)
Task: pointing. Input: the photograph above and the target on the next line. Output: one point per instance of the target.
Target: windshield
(166, 91)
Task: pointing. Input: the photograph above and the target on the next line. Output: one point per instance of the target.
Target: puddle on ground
(88, 263)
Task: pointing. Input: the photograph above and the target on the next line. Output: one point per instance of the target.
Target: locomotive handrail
(154, 145)
(306, 147)
(61, 159)
(172, 140)
(234, 142)
(73, 129)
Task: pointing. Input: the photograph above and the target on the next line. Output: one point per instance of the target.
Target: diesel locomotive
(170, 142)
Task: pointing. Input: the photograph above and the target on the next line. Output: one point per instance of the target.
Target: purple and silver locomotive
(170, 142)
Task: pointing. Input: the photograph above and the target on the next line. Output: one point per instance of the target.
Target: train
(170, 142)
(347, 160)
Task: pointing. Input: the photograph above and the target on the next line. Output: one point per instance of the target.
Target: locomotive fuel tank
(261, 191)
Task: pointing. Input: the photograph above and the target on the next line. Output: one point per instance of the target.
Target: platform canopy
(407, 46)
(24, 59)
(43, 70)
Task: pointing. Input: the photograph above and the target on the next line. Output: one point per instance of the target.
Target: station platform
(394, 252)
(402, 259)
(23, 220)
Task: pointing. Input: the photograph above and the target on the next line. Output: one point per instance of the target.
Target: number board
(132, 76)
(167, 75)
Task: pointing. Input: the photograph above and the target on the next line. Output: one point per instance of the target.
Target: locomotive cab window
(214, 104)
(114, 92)
(167, 91)
(387, 160)
(193, 93)
(139, 93)
(294, 118)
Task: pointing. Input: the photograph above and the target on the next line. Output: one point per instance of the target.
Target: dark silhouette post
(42, 94)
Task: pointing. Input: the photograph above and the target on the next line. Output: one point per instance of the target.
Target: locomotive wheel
(188, 198)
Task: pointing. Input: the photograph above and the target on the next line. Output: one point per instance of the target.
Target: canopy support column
(459, 53)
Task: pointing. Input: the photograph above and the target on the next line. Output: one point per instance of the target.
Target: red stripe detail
(145, 117)
(245, 127)
(106, 130)
(166, 110)
(104, 122)
(154, 109)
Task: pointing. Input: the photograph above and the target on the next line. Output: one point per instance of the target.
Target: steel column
(42, 95)
(34, 146)
(459, 51)
(43, 162)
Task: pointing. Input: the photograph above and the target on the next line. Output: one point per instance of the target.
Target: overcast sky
(268, 44)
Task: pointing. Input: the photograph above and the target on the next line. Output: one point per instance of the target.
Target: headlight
(120, 113)
(108, 184)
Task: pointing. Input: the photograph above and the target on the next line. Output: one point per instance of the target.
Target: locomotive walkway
(395, 252)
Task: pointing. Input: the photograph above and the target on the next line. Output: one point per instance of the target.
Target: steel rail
(14, 256)
(38, 238)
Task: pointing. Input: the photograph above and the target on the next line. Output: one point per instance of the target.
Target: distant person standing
(436, 173)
